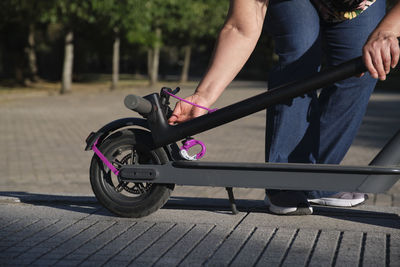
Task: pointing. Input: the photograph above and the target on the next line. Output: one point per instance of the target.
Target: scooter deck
(368, 179)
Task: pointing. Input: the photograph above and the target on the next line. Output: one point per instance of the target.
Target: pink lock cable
(191, 103)
(103, 158)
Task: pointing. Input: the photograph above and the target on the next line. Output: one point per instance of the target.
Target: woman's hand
(235, 43)
(380, 53)
(184, 111)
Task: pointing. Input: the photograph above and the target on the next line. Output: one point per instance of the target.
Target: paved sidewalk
(42, 139)
(194, 232)
(49, 215)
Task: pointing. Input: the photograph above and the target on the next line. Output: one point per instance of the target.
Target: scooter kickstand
(232, 200)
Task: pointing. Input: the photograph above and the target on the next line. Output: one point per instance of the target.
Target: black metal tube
(390, 153)
(166, 134)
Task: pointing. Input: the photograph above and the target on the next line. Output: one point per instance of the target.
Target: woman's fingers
(368, 63)
(395, 52)
(377, 60)
(184, 112)
(176, 114)
(380, 53)
(386, 58)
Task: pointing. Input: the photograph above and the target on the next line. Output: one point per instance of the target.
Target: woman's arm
(381, 51)
(236, 42)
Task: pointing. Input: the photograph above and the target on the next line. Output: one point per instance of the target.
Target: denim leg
(291, 127)
(344, 103)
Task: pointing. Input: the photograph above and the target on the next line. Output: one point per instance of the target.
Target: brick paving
(48, 234)
(50, 217)
(42, 139)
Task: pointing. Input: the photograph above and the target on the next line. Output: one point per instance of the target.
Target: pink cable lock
(104, 159)
(189, 143)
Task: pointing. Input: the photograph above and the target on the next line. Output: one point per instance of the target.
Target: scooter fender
(111, 127)
(171, 149)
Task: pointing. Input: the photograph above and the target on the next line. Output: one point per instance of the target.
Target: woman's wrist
(203, 98)
(390, 23)
(208, 95)
(383, 33)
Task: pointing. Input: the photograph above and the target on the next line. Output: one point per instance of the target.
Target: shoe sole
(290, 211)
(287, 211)
(337, 202)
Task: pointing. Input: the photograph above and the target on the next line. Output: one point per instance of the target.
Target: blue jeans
(316, 128)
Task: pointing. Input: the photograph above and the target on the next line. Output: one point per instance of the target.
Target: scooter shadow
(89, 205)
(356, 214)
(80, 204)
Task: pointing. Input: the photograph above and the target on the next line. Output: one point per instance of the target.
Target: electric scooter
(137, 161)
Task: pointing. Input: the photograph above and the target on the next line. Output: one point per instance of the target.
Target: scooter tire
(128, 199)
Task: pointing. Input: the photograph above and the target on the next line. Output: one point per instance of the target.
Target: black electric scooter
(137, 161)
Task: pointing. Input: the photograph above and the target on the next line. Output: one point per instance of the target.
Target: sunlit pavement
(49, 215)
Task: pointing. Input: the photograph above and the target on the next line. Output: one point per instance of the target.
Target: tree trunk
(68, 63)
(149, 61)
(155, 58)
(33, 70)
(186, 63)
(19, 67)
(19, 74)
(115, 74)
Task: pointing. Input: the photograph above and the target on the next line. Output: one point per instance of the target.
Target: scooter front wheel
(128, 199)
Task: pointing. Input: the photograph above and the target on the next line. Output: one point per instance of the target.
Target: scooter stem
(164, 134)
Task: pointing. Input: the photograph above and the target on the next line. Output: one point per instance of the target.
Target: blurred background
(68, 41)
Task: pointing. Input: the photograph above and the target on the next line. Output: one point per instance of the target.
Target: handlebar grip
(138, 104)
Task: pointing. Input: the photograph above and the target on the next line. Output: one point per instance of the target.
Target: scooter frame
(379, 176)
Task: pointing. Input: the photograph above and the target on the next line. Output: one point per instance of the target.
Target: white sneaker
(341, 199)
(286, 202)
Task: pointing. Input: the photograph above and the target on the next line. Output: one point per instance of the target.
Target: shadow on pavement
(376, 218)
(80, 204)
(89, 205)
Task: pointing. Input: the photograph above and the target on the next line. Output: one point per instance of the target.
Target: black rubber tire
(154, 197)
